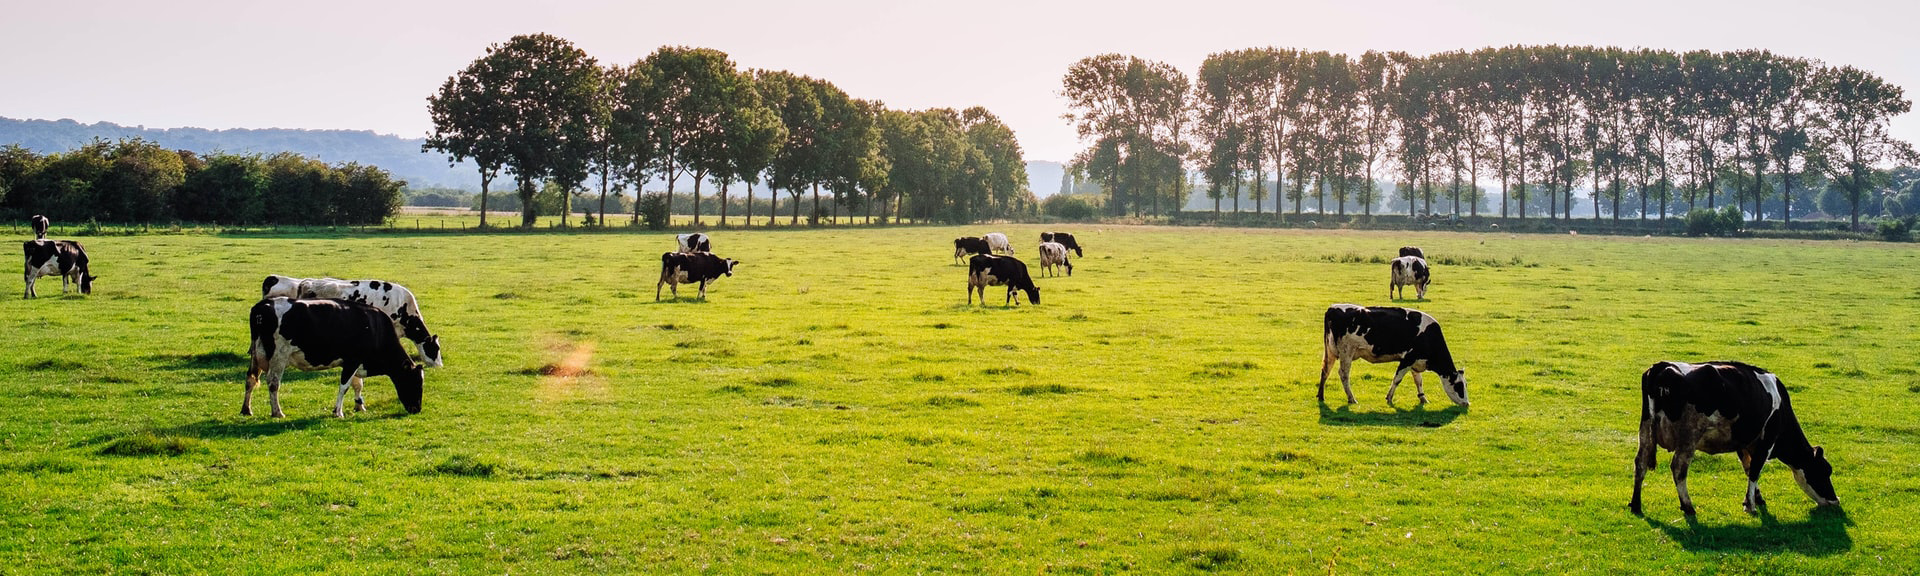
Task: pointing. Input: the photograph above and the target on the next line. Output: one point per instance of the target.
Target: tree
(1125, 107)
(688, 96)
(1852, 112)
(471, 119)
(752, 135)
(798, 163)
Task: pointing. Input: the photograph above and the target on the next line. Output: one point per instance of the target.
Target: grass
(1156, 414)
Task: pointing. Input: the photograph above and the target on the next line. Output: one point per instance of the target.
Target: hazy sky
(370, 65)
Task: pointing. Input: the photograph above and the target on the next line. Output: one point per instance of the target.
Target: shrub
(653, 211)
(1704, 222)
(1067, 207)
(1897, 229)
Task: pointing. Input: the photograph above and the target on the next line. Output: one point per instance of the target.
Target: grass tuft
(464, 465)
(1104, 458)
(950, 402)
(1207, 557)
(1007, 371)
(1038, 389)
(150, 444)
(777, 382)
(925, 377)
(55, 364)
(501, 296)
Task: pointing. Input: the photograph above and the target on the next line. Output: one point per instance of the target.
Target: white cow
(998, 243)
(1054, 254)
(393, 299)
(695, 242)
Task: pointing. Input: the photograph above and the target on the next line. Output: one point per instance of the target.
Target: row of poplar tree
(542, 111)
(138, 181)
(1655, 126)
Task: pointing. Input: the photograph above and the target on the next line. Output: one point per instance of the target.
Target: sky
(364, 65)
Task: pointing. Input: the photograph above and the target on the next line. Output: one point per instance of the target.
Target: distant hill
(400, 156)
(1043, 177)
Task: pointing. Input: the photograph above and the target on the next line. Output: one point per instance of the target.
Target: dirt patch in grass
(149, 444)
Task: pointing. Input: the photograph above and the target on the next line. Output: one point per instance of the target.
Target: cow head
(1816, 478)
(1456, 386)
(430, 351)
(730, 264)
(1033, 294)
(86, 282)
(407, 384)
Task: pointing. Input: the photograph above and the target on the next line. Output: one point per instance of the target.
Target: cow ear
(1819, 452)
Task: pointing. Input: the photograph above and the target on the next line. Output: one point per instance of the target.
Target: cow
(395, 300)
(40, 225)
(695, 242)
(63, 258)
(1064, 239)
(1384, 334)
(965, 245)
(985, 270)
(321, 334)
(1054, 254)
(1409, 270)
(998, 242)
(1719, 407)
(698, 267)
(1412, 251)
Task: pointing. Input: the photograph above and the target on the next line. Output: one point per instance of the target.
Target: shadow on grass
(1418, 416)
(1824, 533)
(243, 427)
(219, 360)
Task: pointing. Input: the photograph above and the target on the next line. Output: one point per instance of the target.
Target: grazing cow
(1054, 254)
(395, 300)
(1064, 239)
(985, 270)
(1412, 251)
(695, 242)
(998, 242)
(965, 245)
(40, 225)
(698, 267)
(1409, 270)
(1720, 407)
(63, 258)
(321, 334)
(1377, 335)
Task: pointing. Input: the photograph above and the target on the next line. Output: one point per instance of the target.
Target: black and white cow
(1412, 251)
(395, 300)
(1403, 335)
(965, 245)
(1054, 254)
(1064, 239)
(63, 258)
(695, 242)
(322, 334)
(1409, 270)
(40, 225)
(985, 270)
(1720, 407)
(697, 267)
(998, 242)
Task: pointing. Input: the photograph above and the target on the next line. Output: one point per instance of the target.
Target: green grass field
(835, 407)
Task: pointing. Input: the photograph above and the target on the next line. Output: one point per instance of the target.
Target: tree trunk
(485, 180)
(672, 176)
(816, 199)
(603, 197)
(697, 177)
(528, 214)
(724, 183)
(1786, 195)
(796, 207)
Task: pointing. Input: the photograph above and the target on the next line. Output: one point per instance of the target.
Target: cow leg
(1010, 301)
(359, 398)
(1421, 291)
(253, 379)
(969, 294)
(1397, 375)
(703, 289)
(273, 391)
(1643, 461)
(29, 293)
(656, 289)
(1418, 388)
(1346, 371)
(1752, 464)
(1325, 364)
(346, 381)
(1682, 458)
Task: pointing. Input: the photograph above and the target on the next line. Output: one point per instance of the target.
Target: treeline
(138, 181)
(1649, 126)
(543, 112)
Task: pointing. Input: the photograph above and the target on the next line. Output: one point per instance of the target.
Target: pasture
(835, 407)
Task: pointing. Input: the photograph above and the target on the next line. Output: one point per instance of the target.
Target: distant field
(836, 407)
